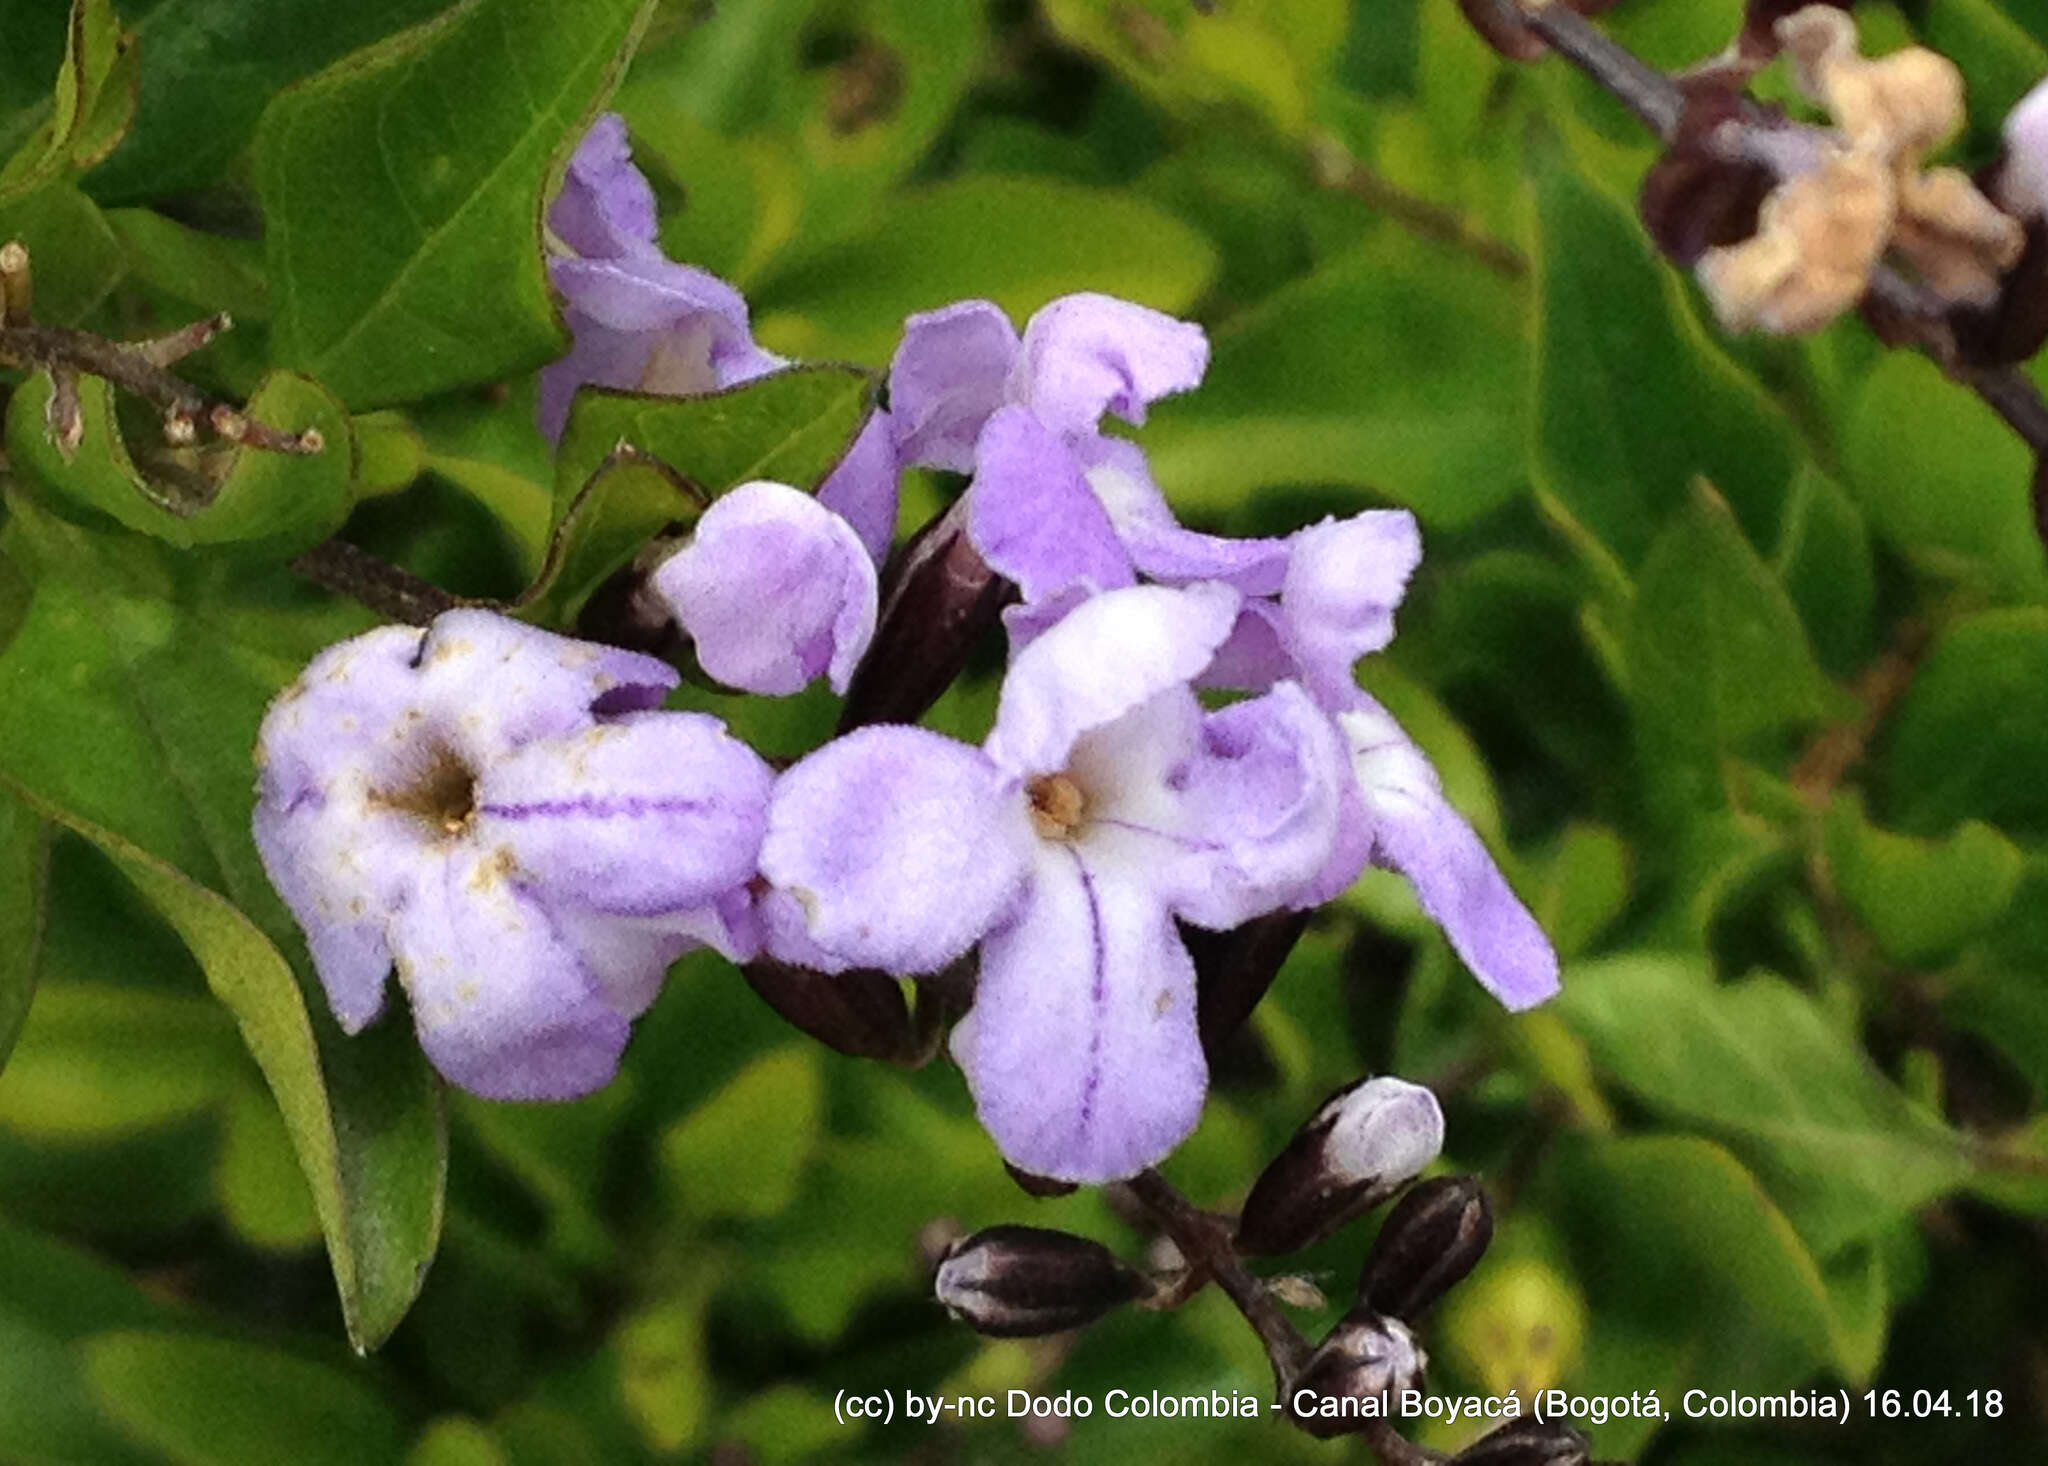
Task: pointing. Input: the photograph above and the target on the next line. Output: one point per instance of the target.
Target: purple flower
(641, 322)
(499, 814)
(774, 588)
(1067, 512)
(1105, 805)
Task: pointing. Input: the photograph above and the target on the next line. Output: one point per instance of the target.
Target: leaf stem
(354, 572)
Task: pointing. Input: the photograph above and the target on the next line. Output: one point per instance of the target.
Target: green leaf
(403, 231)
(91, 108)
(279, 503)
(76, 259)
(791, 426)
(1921, 899)
(1584, 888)
(1717, 657)
(1755, 1064)
(125, 716)
(1265, 56)
(212, 271)
(1943, 478)
(1302, 391)
(742, 1153)
(1017, 241)
(208, 68)
(256, 1177)
(217, 1402)
(98, 1061)
(1971, 733)
(1823, 556)
(24, 887)
(1633, 400)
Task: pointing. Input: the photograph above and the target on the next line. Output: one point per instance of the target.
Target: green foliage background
(1735, 651)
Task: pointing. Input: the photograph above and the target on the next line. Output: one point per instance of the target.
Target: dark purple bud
(2015, 326)
(1355, 1374)
(1019, 1282)
(1040, 1186)
(1693, 198)
(1364, 1144)
(861, 1013)
(1433, 1237)
(939, 598)
(1234, 968)
(1527, 1441)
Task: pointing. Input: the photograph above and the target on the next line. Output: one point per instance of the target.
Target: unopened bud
(1527, 1441)
(1019, 1282)
(859, 1013)
(1234, 968)
(1040, 1186)
(1366, 1358)
(1364, 1144)
(1433, 1237)
(939, 597)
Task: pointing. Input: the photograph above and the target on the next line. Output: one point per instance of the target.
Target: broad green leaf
(559, 1153)
(280, 503)
(1756, 1065)
(90, 109)
(664, 1377)
(125, 715)
(1971, 735)
(404, 230)
(208, 67)
(219, 1402)
(742, 1153)
(75, 257)
(1266, 56)
(212, 271)
(1632, 400)
(788, 1424)
(256, 1177)
(1823, 555)
(1921, 899)
(456, 1440)
(1585, 886)
(1305, 390)
(97, 1061)
(1717, 657)
(791, 426)
(1999, 991)
(1943, 478)
(24, 885)
(47, 1415)
(1676, 34)
(1017, 241)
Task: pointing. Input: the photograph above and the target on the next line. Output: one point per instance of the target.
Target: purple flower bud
(1363, 1362)
(860, 1013)
(1234, 968)
(498, 814)
(1019, 1282)
(1433, 1237)
(2024, 188)
(774, 589)
(1527, 1441)
(1366, 1142)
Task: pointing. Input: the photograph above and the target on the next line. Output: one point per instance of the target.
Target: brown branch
(347, 570)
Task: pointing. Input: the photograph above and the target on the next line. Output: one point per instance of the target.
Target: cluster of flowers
(508, 819)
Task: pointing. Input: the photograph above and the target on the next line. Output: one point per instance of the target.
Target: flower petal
(946, 379)
(1082, 1050)
(1087, 354)
(1033, 518)
(341, 870)
(774, 589)
(505, 1008)
(1344, 579)
(1158, 544)
(654, 813)
(490, 684)
(605, 208)
(1416, 832)
(1108, 656)
(861, 489)
(897, 846)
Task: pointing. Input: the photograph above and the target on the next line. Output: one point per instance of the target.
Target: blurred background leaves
(1734, 651)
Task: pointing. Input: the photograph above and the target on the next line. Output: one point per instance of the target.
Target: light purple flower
(774, 589)
(500, 815)
(641, 322)
(1105, 804)
(2026, 153)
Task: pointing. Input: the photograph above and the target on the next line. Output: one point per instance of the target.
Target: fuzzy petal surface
(947, 378)
(1084, 355)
